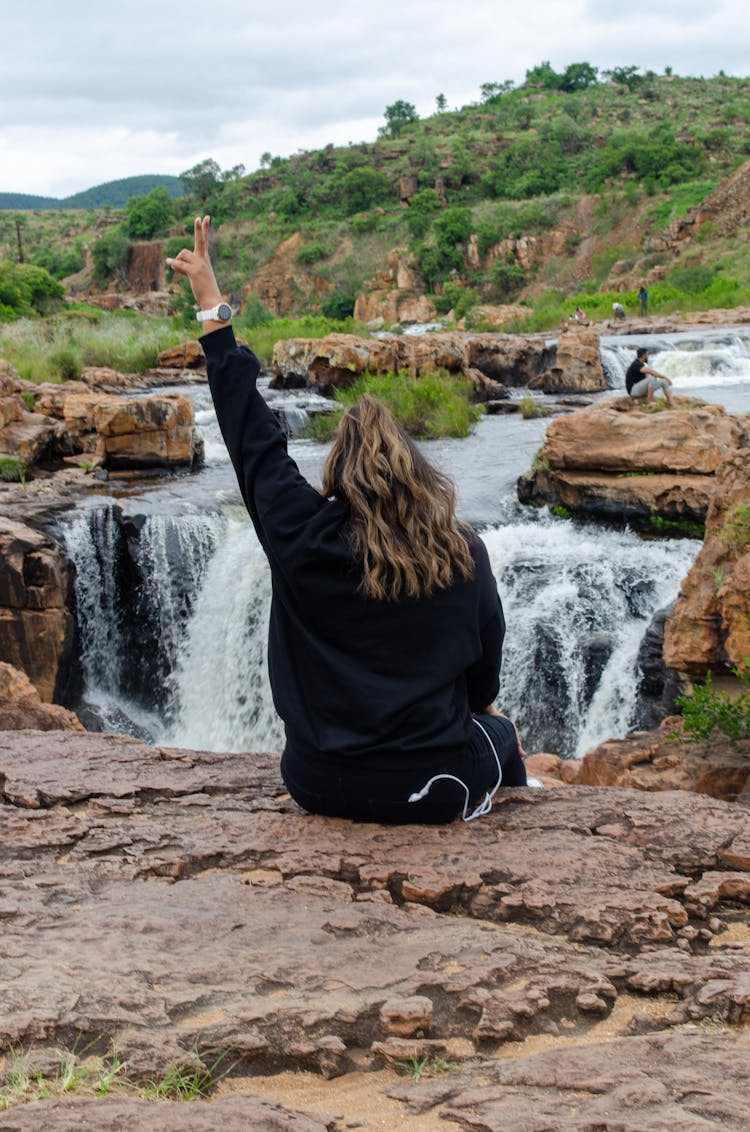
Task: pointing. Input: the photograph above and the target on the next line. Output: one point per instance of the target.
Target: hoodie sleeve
(273, 490)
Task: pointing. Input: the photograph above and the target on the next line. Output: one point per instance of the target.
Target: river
(173, 591)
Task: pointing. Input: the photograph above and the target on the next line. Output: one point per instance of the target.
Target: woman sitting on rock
(386, 628)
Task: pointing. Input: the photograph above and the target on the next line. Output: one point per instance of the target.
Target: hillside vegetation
(548, 195)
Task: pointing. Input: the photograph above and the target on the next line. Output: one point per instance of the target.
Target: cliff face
(710, 625)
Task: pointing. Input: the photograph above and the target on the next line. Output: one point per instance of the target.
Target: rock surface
(195, 910)
(21, 707)
(709, 627)
(37, 631)
(617, 461)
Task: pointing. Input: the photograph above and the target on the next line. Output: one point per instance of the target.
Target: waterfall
(690, 360)
(577, 604)
(189, 666)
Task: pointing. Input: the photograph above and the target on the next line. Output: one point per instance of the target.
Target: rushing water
(173, 590)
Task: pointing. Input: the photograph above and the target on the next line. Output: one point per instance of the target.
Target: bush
(428, 407)
(309, 254)
(110, 254)
(706, 710)
(12, 470)
(507, 279)
(693, 279)
(149, 216)
(27, 289)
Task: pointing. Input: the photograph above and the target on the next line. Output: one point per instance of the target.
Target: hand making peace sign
(196, 266)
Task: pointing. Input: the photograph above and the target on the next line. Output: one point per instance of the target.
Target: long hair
(402, 520)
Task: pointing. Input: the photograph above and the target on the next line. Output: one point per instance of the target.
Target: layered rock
(37, 631)
(395, 295)
(664, 760)
(339, 359)
(620, 461)
(607, 926)
(709, 627)
(577, 367)
(22, 708)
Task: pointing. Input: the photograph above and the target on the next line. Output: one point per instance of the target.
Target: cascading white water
(690, 361)
(577, 605)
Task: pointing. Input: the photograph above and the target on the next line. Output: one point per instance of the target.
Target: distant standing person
(640, 381)
(643, 300)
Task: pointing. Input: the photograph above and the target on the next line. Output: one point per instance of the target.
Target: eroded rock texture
(178, 906)
(618, 461)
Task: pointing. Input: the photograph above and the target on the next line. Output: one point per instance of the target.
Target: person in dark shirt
(641, 381)
(386, 628)
(643, 300)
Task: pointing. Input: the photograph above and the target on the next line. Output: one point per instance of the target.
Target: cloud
(90, 93)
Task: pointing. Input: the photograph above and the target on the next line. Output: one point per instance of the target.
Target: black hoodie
(390, 682)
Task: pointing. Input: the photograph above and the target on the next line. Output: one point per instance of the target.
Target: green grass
(735, 530)
(705, 710)
(433, 406)
(528, 408)
(263, 338)
(12, 469)
(57, 348)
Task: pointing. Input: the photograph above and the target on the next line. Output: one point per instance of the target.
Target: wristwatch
(222, 312)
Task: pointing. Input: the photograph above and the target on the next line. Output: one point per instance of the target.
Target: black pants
(367, 793)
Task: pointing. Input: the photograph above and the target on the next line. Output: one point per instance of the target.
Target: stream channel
(173, 591)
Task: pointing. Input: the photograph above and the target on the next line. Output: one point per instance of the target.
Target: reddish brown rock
(128, 1114)
(659, 760)
(577, 367)
(21, 706)
(617, 461)
(282, 941)
(710, 625)
(36, 629)
(188, 355)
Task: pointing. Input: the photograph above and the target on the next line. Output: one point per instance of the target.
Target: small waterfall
(222, 694)
(690, 361)
(577, 604)
(187, 666)
(135, 584)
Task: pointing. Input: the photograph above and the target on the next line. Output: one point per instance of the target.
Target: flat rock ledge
(580, 956)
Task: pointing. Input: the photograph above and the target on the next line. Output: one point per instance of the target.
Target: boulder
(618, 461)
(188, 355)
(37, 632)
(21, 707)
(709, 627)
(577, 367)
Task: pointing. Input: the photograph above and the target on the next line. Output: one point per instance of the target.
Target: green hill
(116, 194)
(541, 194)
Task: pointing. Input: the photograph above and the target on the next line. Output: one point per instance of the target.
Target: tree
(364, 187)
(442, 103)
(422, 207)
(543, 75)
(203, 180)
(488, 91)
(398, 115)
(625, 76)
(110, 254)
(578, 76)
(150, 216)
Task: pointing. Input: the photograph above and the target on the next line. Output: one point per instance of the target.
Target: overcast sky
(91, 92)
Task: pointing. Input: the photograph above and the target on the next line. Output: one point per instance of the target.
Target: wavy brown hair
(402, 516)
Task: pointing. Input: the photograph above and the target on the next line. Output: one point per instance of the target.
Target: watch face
(224, 312)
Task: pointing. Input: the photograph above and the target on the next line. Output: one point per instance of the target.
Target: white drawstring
(485, 805)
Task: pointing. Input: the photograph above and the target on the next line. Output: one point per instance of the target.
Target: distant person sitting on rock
(618, 310)
(640, 381)
(643, 300)
(580, 315)
(386, 628)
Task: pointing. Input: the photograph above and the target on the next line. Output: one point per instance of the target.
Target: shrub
(110, 254)
(26, 289)
(149, 216)
(705, 710)
(692, 279)
(309, 254)
(735, 530)
(528, 407)
(429, 407)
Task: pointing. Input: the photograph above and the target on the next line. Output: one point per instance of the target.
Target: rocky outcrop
(104, 430)
(577, 367)
(620, 461)
(395, 295)
(188, 355)
(147, 266)
(21, 707)
(710, 625)
(726, 209)
(606, 926)
(37, 631)
(339, 359)
(664, 759)
(279, 283)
